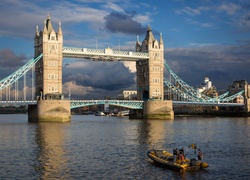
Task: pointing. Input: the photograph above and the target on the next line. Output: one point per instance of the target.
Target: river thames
(98, 147)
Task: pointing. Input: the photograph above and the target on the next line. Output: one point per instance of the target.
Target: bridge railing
(103, 54)
(223, 104)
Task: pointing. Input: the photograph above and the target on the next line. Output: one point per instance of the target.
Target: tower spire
(37, 32)
(137, 46)
(48, 17)
(60, 28)
(161, 40)
(45, 31)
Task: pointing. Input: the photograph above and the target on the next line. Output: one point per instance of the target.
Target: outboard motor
(193, 162)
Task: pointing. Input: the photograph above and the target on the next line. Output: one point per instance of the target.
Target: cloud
(130, 65)
(15, 23)
(242, 22)
(194, 22)
(229, 8)
(71, 87)
(191, 11)
(221, 63)
(113, 7)
(10, 62)
(122, 23)
(109, 77)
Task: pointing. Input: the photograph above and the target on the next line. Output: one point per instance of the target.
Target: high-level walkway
(107, 54)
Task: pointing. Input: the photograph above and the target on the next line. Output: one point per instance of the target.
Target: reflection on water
(91, 147)
(51, 159)
(154, 132)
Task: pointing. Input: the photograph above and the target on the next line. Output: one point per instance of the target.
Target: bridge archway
(145, 95)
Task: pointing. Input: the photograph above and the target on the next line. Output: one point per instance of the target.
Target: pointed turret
(161, 44)
(59, 33)
(148, 41)
(37, 32)
(137, 46)
(161, 40)
(45, 31)
(59, 29)
(149, 36)
(49, 25)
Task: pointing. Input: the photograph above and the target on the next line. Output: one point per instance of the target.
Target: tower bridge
(151, 103)
(149, 57)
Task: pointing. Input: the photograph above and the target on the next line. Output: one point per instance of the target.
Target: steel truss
(19, 73)
(123, 103)
(190, 94)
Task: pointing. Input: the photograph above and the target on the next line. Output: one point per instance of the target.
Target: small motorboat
(100, 114)
(166, 159)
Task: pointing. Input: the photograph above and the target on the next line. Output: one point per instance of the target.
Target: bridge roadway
(131, 104)
(107, 54)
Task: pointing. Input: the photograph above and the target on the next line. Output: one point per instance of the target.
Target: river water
(96, 147)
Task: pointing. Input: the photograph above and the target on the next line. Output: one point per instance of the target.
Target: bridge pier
(247, 105)
(50, 111)
(154, 109)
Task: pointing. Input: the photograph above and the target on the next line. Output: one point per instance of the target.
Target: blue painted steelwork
(190, 94)
(220, 97)
(230, 98)
(19, 73)
(178, 91)
(123, 103)
(184, 86)
(224, 104)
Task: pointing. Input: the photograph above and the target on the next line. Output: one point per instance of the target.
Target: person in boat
(200, 155)
(181, 158)
(175, 152)
(180, 155)
(182, 151)
(194, 147)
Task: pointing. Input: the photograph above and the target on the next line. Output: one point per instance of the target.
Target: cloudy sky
(201, 38)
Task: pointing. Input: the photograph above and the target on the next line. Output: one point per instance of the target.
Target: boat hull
(166, 159)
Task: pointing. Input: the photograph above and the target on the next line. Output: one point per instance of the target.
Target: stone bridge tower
(150, 74)
(51, 105)
(49, 68)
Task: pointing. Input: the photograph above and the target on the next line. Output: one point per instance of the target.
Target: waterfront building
(207, 88)
(238, 86)
(127, 95)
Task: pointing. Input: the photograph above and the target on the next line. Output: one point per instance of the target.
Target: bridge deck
(103, 54)
(132, 104)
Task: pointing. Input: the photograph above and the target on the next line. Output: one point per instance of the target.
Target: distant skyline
(206, 38)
